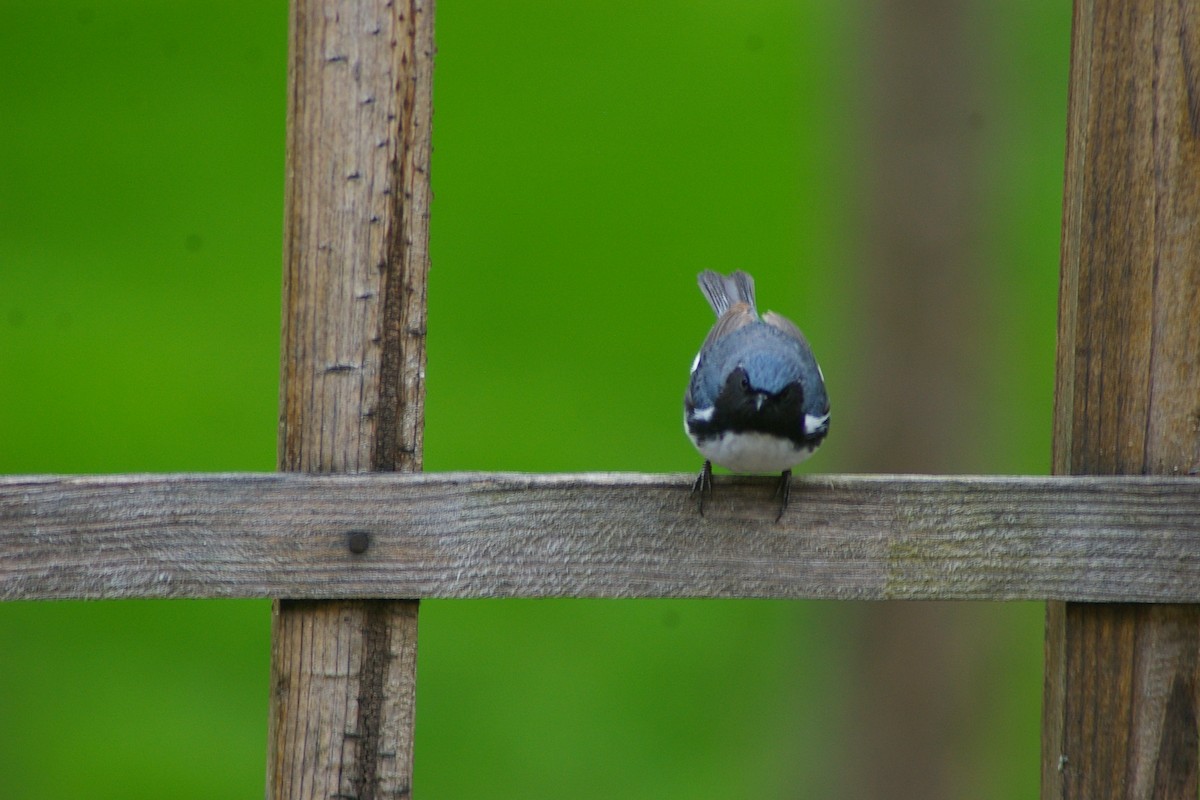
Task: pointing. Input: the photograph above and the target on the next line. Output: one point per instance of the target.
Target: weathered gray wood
(599, 535)
(352, 380)
(1122, 697)
(352, 361)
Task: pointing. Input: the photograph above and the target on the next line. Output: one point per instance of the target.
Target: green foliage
(590, 158)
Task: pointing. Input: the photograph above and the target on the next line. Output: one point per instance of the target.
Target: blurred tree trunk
(908, 736)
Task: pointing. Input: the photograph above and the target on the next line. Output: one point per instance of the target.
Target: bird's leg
(783, 491)
(703, 484)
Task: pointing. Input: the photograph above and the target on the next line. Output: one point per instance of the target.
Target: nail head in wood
(358, 541)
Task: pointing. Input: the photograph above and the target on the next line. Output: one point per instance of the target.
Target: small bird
(756, 401)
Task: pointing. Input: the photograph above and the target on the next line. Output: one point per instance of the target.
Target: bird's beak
(759, 399)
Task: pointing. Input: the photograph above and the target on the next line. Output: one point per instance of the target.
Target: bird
(756, 399)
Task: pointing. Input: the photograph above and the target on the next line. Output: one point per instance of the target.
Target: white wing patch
(812, 423)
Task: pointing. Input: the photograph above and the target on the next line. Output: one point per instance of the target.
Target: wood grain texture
(352, 375)
(599, 535)
(1121, 681)
(356, 240)
(321, 648)
(1129, 344)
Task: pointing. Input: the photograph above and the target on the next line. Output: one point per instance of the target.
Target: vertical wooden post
(1121, 680)
(907, 713)
(353, 368)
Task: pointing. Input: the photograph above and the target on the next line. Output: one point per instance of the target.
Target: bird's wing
(784, 324)
(738, 316)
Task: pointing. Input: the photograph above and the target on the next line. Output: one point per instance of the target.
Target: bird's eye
(745, 382)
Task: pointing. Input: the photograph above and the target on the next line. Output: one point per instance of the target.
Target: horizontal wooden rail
(466, 535)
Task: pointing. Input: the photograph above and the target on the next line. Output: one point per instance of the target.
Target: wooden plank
(599, 535)
(352, 380)
(1121, 680)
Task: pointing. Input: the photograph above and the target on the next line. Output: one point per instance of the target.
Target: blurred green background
(590, 158)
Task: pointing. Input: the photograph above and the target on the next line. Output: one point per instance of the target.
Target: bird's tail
(722, 291)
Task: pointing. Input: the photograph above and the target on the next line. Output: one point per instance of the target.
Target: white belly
(753, 452)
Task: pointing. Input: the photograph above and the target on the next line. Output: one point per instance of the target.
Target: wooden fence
(1113, 540)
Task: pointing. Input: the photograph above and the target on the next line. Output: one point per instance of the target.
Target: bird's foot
(703, 485)
(783, 491)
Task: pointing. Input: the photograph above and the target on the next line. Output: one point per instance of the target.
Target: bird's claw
(703, 485)
(783, 491)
